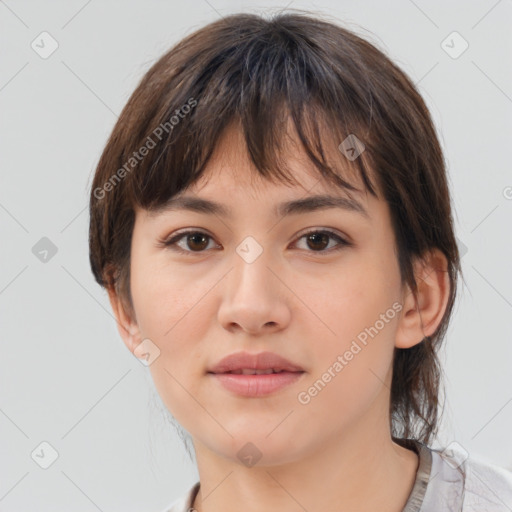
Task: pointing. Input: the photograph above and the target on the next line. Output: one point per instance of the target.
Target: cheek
(169, 311)
(163, 303)
(175, 311)
(357, 320)
(350, 297)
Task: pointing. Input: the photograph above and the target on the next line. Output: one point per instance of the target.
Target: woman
(271, 218)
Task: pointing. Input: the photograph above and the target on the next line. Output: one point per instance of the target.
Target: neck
(355, 470)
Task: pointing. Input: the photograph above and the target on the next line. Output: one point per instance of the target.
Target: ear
(126, 324)
(422, 315)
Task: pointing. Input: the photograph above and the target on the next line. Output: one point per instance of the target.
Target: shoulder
(184, 502)
(488, 487)
(480, 486)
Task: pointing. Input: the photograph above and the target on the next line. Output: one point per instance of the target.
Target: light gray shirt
(446, 481)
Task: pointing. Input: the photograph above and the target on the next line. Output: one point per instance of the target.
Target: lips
(245, 363)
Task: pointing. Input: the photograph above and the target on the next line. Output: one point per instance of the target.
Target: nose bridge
(251, 274)
(252, 297)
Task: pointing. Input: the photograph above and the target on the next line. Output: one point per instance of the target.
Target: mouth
(255, 375)
(251, 371)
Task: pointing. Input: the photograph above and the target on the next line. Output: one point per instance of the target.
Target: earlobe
(127, 327)
(422, 314)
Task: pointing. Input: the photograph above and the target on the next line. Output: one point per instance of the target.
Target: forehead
(230, 170)
(233, 192)
(231, 184)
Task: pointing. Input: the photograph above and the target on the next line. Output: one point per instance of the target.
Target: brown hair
(258, 72)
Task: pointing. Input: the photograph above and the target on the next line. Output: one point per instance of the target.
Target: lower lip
(257, 385)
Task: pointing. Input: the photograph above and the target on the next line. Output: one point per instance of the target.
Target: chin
(264, 449)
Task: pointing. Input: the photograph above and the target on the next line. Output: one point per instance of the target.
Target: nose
(254, 298)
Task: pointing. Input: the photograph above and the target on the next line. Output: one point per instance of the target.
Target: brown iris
(200, 238)
(319, 238)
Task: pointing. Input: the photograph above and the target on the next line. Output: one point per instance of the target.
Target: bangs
(272, 89)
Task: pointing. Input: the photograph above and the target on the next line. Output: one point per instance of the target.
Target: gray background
(66, 377)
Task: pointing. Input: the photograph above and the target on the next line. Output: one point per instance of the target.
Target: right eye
(193, 239)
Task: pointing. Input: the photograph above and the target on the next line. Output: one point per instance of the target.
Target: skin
(304, 304)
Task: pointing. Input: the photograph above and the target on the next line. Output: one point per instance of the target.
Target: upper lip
(260, 361)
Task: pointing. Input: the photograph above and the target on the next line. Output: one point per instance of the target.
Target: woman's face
(329, 308)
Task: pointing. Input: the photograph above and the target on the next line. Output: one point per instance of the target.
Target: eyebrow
(296, 206)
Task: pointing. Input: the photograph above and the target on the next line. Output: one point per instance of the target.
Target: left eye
(318, 240)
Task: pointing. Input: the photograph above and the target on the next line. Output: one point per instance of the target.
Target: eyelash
(172, 242)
